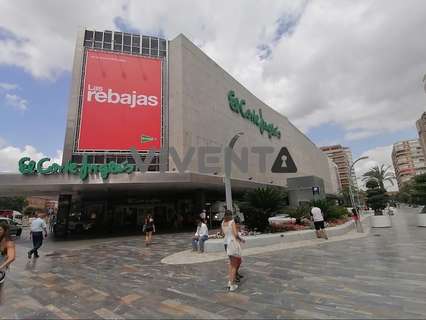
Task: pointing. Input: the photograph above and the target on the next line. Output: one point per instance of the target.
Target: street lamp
(227, 176)
(350, 181)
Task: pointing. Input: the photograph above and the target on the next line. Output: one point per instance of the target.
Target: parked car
(281, 218)
(14, 228)
(12, 214)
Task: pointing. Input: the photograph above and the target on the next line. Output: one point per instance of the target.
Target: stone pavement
(382, 275)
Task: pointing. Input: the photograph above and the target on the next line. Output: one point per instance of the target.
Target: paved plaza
(382, 275)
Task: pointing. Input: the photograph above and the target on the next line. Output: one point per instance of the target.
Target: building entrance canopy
(17, 184)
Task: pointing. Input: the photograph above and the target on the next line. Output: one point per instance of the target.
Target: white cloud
(40, 37)
(376, 157)
(8, 86)
(10, 155)
(356, 64)
(16, 101)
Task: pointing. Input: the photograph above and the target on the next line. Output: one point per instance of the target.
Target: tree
(381, 175)
(260, 204)
(418, 191)
(345, 194)
(376, 196)
(405, 193)
(13, 203)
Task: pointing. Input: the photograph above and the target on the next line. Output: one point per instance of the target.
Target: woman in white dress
(232, 247)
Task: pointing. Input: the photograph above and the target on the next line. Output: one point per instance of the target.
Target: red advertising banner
(122, 103)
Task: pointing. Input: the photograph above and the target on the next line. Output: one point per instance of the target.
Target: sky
(344, 72)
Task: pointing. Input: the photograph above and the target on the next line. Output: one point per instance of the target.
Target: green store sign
(238, 106)
(84, 169)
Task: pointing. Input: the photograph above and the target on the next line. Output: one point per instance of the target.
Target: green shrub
(260, 204)
(336, 212)
(298, 213)
(324, 204)
(255, 219)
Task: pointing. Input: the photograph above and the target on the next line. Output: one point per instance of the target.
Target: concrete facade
(300, 190)
(200, 115)
(196, 112)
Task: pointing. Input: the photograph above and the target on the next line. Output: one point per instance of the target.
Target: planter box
(268, 239)
(381, 222)
(421, 219)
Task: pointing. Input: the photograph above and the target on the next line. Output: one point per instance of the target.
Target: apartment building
(421, 129)
(408, 160)
(342, 157)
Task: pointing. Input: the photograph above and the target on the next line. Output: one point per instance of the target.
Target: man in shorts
(318, 219)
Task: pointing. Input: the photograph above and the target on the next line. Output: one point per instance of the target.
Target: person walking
(7, 251)
(38, 227)
(149, 227)
(232, 247)
(318, 219)
(201, 235)
(355, 216)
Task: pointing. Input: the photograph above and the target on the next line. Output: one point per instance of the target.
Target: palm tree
(380, 175)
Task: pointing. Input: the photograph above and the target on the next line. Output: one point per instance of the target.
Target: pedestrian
(233, 249)
(318, 219)
(7, 251)
(200, 236)
(203, 215)
(52, 221)
(355, 216)
(149, 228)
(38, 227)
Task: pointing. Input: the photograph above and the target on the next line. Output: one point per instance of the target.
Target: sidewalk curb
(189, 257)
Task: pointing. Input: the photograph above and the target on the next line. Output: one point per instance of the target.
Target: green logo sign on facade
(84, 169)
(239, 106)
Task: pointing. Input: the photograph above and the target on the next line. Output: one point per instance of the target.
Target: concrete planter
(381, 222)
(421, 219)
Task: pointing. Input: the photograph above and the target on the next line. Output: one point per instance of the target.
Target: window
(154, 43)
(163, 44)
(76, 158)
(98, 44)
(162, 53)
(98, 36)
(121, 159)
(118, 37)
(88, 43)
(136, 40)
(126, 48)
(135, 50)
(145, 42)
(107, 45)
(117, 47)
(127, 39)
(111, 158)
(145, 51)
(88, 35)
(99, 159)
(154, 52)
(108, 36)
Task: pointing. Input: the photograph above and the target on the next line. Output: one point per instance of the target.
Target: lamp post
(227, 176)
(350, 182)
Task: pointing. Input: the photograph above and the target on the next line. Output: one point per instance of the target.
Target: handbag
(144, 228)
